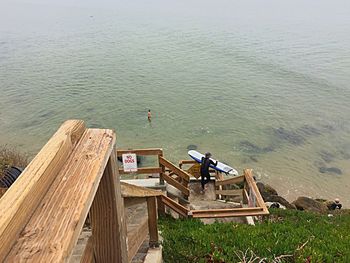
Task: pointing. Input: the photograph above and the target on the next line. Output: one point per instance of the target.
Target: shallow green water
(260, 84)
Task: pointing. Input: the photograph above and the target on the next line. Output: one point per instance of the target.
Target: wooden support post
(160, 206)
(108, 219)
(88, 255)
(161, 179)
(152, 221)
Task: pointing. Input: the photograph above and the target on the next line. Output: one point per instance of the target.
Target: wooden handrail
(175, 206)
(233, 192)
(19, 203)
(176, 170)
(144, 170)
(251, 183)
(230, 212)
(142, 152)
(233, 180)
(185, 190)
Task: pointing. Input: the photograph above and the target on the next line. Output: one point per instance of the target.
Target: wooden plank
(184, 175)
(184, 162)
(20, 201)
(129, 190)
(245, 196)
(131, 201)
(161, 179)
(250, 181)
(136, 236)
(234, 192)
(233, 180)
(176, 184)
(152, 221)
(230, 212)
(107, 217)
(54, 228)
(181, 210)
(143, 152)
(143, 170)
(88, 255)
(160, 206)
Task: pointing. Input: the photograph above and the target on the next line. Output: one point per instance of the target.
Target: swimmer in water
(149, 115)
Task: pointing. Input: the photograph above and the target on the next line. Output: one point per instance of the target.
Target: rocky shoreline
(303, 203)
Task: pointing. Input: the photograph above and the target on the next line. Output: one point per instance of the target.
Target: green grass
(304, 237)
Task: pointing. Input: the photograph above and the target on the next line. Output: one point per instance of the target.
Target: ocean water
(260, 84)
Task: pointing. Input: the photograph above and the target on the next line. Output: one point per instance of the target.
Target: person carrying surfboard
(205, 163)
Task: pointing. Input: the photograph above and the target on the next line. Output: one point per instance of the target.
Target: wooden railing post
(245, 192)
(108, 219)
(160, 206)
(152, 221)
(161, 179)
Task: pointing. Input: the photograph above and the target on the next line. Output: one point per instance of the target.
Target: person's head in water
(149, 110)
(207, 155)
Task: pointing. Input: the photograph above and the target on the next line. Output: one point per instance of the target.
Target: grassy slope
(305, 236)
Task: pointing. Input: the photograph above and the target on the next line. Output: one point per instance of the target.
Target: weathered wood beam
(181, 210)
(55, 225)
(228, 212)
(233, 180)
(176, 184)
(88, 255)
(245, 196)
(136, 236)
(152, 221)
(235, 192)
(160, 206)
(107, 218)
(143, 170)
(143, 152)
(18, 204)
(184, 175)
(248, 174)
(130, 190)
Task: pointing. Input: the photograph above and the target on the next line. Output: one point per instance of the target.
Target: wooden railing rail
(43, 212)
(181, 210)
(233, 180)
(182, 180)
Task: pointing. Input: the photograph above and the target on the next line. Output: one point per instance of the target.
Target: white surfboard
(221, 167)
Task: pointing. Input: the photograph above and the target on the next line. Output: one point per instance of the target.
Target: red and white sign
(129, 162)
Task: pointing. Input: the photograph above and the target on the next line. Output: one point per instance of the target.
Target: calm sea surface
(260, 84)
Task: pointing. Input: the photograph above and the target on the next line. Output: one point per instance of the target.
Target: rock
(266, 190)
(275, 205)
(269, 194)
(309, 204)
(289, 136)
(280, 200)
(332, 170)
(192, 147)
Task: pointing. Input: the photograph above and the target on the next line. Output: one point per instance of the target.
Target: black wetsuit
(205, 176)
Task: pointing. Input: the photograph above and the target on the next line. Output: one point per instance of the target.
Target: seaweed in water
(192, 147)
(309, 130)
(248, 147)
(289, 136)
(327, 156)
(253, 158)
(333, 170)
